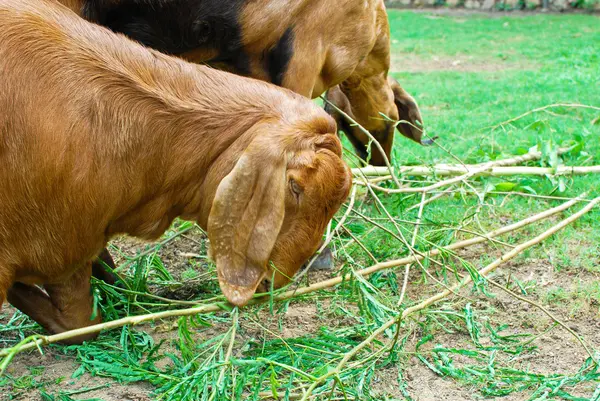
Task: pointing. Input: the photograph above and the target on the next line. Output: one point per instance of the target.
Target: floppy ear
(244, 222)
(408, 110)
(338, 98)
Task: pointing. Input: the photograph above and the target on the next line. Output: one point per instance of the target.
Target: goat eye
(296, 189)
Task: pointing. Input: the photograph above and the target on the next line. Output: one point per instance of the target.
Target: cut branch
(550, 106)
(445, 170)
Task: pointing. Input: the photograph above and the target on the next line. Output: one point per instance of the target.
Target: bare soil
(404, 62)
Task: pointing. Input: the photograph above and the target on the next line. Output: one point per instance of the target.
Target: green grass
(537, 60)
(548, 59)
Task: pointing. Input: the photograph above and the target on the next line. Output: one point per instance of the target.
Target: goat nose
(264, 286)
(429, 142)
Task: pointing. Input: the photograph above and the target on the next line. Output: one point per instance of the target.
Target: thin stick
(412, 244)
(543, 309)
(432, 199)
(411, 249)
(533, 154)
(446, 170)
(204, 309)
(570, 105)
(467, 242)
(524, 194)
(347, 244)
(432, 187)
(364, 248)
(505, 258)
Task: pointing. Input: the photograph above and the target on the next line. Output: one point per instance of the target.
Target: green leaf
(506, 186)
(274, 384)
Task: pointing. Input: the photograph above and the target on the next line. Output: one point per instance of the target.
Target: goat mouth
(264, 286)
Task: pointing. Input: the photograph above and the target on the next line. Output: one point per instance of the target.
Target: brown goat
(308, 46)
(100, 136)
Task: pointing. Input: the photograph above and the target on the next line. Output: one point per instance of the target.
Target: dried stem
(487, 170)
(402, 238)
(550, 106)
(413, 241)
(546, 311)
(432, 199)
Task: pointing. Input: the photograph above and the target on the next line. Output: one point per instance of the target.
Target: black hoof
(103, 266)
(324, 261)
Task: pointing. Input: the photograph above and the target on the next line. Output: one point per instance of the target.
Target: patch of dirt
(406, 62)
(463, 12)
(56, 376)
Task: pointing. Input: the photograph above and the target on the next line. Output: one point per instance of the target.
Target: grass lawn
(470, 74)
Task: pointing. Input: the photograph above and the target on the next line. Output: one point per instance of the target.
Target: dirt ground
(402, 62)
(557, 351)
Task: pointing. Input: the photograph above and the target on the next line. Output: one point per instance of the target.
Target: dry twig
(550, 106)
(487, 170)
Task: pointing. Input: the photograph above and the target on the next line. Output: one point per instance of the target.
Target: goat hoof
(102, 269)
(324, 261)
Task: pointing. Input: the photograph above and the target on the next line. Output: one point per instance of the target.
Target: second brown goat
(308, 46)
(101, 136)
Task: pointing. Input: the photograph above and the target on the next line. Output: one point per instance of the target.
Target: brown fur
(342, 45)
(101, 136)
(339, 44)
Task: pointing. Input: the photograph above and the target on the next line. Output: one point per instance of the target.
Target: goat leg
(99, 268)
(63, 307)
(5, 282)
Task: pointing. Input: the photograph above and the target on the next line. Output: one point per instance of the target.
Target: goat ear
(245, 219)
(340, 100)
(408, 110)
